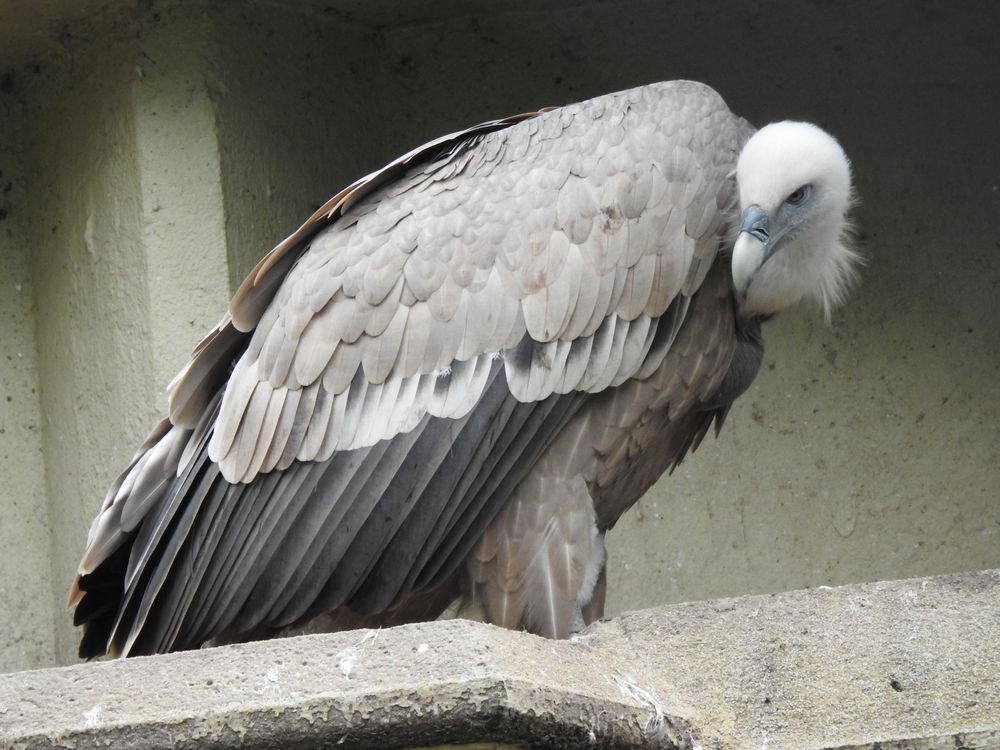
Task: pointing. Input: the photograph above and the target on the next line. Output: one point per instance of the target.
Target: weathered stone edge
(455, 682)
(478, 710)
(986, 740)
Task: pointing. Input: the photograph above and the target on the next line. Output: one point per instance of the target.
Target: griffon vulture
(456, 376)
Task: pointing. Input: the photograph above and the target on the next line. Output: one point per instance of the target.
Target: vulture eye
(798, 196)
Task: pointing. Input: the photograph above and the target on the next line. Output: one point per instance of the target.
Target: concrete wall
(90, 302)
(299, 117)
(158, 151)
(25, 536)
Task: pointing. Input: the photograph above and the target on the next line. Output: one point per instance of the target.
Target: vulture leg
(537, 565)
(594, 609)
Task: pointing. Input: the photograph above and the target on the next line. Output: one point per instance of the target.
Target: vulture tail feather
(316, 522)
(406, 517)
(513, 425)
(155, 572)
(439, 498)
(273, 507)
(184, 571)
(326, 560)
(546, 420)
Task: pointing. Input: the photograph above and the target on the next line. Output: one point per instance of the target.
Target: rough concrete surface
(91, 305)
(288, 140)
(177, 152)
(908, 664)
(31, 30)
(25, 520)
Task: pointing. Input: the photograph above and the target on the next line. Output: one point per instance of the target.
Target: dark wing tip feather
(98, 598)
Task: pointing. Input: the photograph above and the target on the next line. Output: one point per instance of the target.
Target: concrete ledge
(908, 664)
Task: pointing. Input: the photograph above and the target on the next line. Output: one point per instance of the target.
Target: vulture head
(794, 193)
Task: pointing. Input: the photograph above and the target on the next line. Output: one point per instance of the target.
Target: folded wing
(400, 363)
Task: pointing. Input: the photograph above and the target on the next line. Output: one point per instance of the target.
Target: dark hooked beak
(754, 222)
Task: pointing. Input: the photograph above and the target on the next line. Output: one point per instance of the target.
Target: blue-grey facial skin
(761, 235)
(789, 218)
(792, 216)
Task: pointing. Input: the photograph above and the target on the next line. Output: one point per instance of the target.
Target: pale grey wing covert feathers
(404, 362)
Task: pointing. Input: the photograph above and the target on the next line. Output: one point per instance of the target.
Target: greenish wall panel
(299, 118)
(89, 273)
(26, 622)
(180, 184)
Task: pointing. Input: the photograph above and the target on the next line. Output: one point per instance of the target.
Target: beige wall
(156, 154)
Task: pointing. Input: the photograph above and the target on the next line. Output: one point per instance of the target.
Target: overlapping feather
(563, 252)
(518, 240)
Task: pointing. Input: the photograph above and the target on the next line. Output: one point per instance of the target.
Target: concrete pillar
(89, 274)
(159, 161)
(26, 638)
(183, 232)
(125, 227)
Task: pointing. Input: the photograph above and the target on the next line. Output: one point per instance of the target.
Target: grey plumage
(452, 379)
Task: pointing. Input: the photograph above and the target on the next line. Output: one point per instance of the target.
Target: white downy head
(794, 185)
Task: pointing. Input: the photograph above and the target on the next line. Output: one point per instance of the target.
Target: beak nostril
(754, 222)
